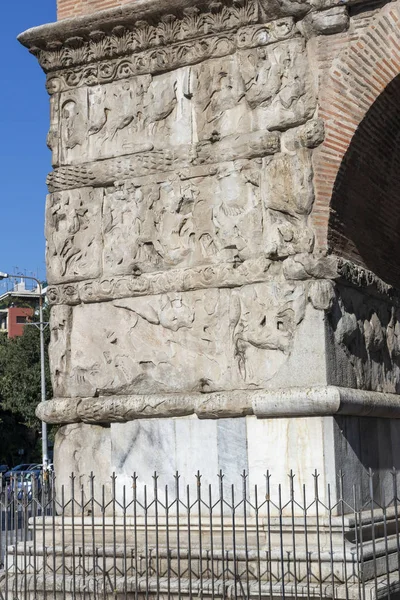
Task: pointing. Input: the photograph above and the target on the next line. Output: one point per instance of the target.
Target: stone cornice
(318, 401)
(148, 24)
(139, 27)
(152, 10)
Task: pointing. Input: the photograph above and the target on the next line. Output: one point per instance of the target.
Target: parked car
(29, 484)
(18, 470)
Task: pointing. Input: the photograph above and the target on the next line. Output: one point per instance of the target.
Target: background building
(17, 307)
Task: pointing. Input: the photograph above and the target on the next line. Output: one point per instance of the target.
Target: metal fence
(126, 539)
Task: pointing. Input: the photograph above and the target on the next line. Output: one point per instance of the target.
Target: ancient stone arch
(356, 212)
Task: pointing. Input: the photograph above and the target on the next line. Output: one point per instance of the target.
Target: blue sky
(24, 157)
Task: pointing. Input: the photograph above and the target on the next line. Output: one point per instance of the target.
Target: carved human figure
(278, 85)
(236, 216)
(264, 320)
(219, 98)
(74, 125)
(121, 221)
(128, 215)
(174, 224)
(59, 350)
(73, 233)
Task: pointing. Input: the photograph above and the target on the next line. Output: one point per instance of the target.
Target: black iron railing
(123, 538)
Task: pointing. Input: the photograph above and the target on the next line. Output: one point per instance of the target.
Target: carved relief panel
(59, 349)
(288, 197)
(124, 117)
(264, 319)
(73, 233)
(129, 231)
(219, 99)
(278, 84)
(367, 337)
(181, 222)
(206, 340)
(253, 90)
(256, 89)
(172, 342)
(207, 215)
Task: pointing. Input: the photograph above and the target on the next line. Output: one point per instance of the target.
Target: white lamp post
(41, 326)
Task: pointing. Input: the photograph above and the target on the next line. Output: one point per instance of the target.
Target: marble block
(185, 445)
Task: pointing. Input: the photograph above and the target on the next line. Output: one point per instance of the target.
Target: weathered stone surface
(196, 217)
(197, 341)
(182, 223)
(181, 215)
(223, 275)
(365, 332)
(289, 183)
(73, 232)
(196, 311)
(256, 446)
(59, 349)
(296, 401)
(124, 117)
(326, 22)
(249, 91)
(82, 461)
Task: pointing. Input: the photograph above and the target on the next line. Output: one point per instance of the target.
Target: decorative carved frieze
(175, 280)
(131, 30)
(227, 214)
(301, 267)
(133, 38)
(230, 338)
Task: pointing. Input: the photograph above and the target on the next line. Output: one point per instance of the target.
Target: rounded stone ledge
(323, 401)
(318, 401)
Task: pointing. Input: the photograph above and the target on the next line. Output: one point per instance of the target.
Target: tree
(20, 389)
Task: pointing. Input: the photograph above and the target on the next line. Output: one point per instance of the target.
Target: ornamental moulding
(146, 25)
(164, 58)
(322, 401)
(131, 35)
(297, 268)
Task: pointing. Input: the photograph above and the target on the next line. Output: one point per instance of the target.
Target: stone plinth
(256, 447)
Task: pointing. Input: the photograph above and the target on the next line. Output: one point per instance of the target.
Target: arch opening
(364, 222)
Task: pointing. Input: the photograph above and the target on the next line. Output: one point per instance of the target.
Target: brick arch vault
(357, 169)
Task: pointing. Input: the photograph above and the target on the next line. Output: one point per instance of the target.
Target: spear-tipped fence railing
(186, 539)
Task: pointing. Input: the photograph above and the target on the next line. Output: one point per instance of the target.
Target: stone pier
(222, 240)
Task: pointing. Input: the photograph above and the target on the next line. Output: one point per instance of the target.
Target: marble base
(232, 447)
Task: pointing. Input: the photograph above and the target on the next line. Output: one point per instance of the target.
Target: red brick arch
(360, 104)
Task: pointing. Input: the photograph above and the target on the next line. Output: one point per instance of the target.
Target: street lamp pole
(41, 326)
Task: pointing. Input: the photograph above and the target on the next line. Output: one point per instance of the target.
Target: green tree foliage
(20, 391)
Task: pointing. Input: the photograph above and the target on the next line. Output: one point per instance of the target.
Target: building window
(21, 320)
